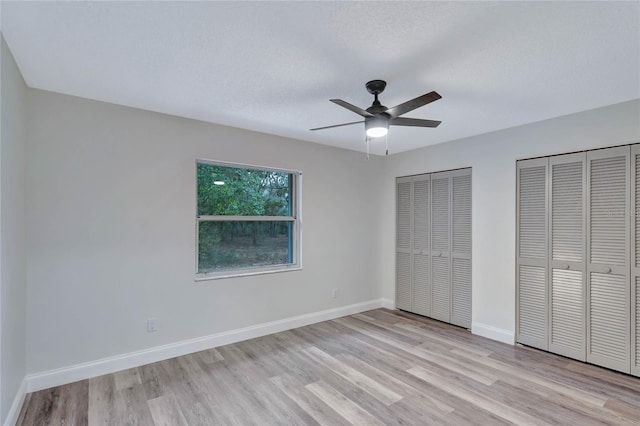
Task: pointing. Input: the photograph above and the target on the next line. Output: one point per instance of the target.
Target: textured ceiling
(273, 66)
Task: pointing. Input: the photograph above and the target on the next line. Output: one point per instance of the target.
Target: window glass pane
(232, 191)
(239, 245)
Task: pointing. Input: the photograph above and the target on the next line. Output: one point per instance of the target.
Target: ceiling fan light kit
(378, 118)
(376, 127)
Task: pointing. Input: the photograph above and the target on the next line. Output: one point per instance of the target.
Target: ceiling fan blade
(337, 125)
(405, 107)
(415, 122)
(351, 107)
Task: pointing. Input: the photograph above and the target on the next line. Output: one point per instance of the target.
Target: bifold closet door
(461, 248)
(532, 259)
(440, 246)
(635, 258)
(567, 334)
(433, 245)
(421, 189)
(403, 243)
(608, 247)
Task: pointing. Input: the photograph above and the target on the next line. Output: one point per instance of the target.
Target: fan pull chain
(386, 144)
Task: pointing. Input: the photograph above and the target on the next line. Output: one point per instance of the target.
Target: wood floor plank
(250, 389)
(42, 404)
(279, 409)
(210, 356)
(475, 417)
(621, 386)
(191, 398)
(418, 397)
(342, 405)
(315, 407)
(432, 337)
(495, 407)
(166, 411)
(217, 404)
(478, 374)
(575, 393)
(127, 378)
(624, 409)
(375, 389)
(150, 376)
(560, 410)
(379, 367)
(101, 400)
(283, 354)
(420, 352)
(131, 406)
(439, 329)
(73, 404)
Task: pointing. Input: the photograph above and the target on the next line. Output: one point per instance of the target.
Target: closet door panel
(567, 323)
(441, 291)
(421, 242)
(608, 208)
(403, 281)
(461, 248)
(608, 247)
(461, 292)
(635, 355)
(403, 243)
(609, 324)
(568, 261)
(532, 298)
(635, 257)
(532, 247)
(440, 247)
(422, 287)
(532, 214)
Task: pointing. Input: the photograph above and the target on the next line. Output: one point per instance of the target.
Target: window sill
(232, 274)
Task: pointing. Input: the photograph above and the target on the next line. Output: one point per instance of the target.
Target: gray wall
(13, 280)
(493, 158)
(111, 230)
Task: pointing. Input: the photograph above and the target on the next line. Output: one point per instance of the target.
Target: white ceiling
(273, 66)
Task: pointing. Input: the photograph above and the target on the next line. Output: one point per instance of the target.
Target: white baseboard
(16, 406)
(87, 370)
(388, 303)
(494, 333)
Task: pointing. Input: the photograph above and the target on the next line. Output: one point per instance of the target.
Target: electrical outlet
(152, 325)
(334, 293)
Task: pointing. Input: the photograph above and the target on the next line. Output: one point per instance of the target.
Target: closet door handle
(607, 270)
(566, 267)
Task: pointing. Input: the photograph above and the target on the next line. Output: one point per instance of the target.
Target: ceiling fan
(378, 118)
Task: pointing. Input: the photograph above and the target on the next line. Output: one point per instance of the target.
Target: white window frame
(295, 219)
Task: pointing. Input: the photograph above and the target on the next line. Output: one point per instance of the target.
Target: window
(248, 220)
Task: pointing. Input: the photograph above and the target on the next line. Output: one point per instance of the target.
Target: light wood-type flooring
(379, 367)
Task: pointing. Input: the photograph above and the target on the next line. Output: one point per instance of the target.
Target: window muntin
(247, 220)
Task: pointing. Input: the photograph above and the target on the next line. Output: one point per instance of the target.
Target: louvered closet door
(421, 243)
(461, 248)
(635, 258)
(440, 246)
(531, 274)
(608, 292)
(403, 243)
(567, 328)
